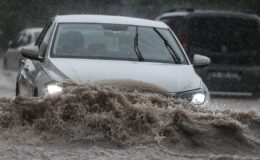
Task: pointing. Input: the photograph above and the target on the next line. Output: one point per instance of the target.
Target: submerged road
(8, 80)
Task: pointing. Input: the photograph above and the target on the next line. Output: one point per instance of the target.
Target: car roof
(32, 30)
(171, 14)
(109, 20)
(209, 13)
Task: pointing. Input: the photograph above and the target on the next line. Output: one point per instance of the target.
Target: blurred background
(16, 16)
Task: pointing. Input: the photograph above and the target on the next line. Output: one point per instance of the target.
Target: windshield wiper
(175, 56)
(136, 48)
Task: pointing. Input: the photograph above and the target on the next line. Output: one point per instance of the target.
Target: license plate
(225, 75)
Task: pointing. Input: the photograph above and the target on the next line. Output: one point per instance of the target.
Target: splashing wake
(109, 116)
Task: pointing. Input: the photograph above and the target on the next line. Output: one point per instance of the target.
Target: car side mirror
(31, 52)
(200, 61)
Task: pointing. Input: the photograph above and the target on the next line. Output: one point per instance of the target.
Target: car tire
(35, 92)
(5, 64)
(17, 90)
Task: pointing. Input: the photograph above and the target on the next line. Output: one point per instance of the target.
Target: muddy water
(103, 122)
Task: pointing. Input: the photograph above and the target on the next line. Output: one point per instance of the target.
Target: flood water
(103, 122)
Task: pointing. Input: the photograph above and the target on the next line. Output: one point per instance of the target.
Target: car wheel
(5, 64)
(35, 92)
(17, 90)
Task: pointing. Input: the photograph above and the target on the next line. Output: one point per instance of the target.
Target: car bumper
(227, 80)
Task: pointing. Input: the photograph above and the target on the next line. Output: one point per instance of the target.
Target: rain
(137, 103)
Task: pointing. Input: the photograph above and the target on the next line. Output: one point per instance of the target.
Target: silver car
(13, 56)
(93, 48)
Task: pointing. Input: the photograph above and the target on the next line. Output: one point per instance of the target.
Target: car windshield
(223, 38)
(116, 42)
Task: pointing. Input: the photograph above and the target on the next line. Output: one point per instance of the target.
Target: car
(230, 39)
(13, 56)
(93, 48)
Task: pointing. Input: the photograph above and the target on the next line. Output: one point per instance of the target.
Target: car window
(42, 34)
(226, 36)
(47, 36)
(110, 41)
(45, 39)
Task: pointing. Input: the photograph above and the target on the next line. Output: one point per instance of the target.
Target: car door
(32, 74)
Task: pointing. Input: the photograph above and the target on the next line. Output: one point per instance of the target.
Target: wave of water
(117, 118)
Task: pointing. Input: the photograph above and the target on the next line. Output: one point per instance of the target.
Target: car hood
(171, 77)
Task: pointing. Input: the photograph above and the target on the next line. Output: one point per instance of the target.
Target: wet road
(8, 80)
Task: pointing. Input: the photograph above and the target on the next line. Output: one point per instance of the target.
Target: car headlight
(53, 88)
(197, 97)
